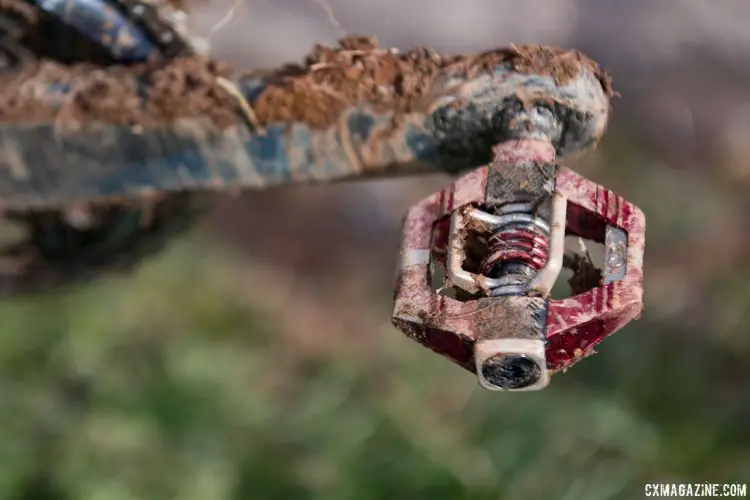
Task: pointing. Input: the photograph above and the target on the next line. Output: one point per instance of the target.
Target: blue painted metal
(104, 25)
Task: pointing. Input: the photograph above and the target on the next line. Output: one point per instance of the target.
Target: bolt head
(616, 257)
(511, 371)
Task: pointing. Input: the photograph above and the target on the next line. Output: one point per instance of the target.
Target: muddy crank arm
(73, 135)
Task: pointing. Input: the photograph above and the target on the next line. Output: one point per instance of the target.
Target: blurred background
(254, 358)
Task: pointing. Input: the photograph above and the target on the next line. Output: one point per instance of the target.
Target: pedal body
(479, 259)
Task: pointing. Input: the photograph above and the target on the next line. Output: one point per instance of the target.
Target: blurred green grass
(172, 383)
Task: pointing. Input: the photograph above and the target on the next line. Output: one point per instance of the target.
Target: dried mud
(316, 92)
(331, 79)
(184, 88)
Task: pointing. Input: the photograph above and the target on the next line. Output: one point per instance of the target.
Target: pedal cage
(479, 259)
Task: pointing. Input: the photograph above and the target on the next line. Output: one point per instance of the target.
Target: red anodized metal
(574, 324)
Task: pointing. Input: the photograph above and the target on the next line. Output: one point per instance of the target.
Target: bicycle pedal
(480, 257)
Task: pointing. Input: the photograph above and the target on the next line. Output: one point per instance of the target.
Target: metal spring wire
(519, 240)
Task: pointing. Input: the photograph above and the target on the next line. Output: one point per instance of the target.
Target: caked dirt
(184, 88)
(332, 79)
(315, 92)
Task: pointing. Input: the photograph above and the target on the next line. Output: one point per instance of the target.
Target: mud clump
(316, 92)
(561, 64)
(196, 78)
(182, 88)
(331, 79)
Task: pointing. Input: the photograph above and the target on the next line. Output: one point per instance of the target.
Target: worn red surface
(576, 324)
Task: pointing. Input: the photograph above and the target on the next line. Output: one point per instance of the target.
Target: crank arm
(234, 132)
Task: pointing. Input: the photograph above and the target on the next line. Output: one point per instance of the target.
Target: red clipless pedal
(479, 259)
